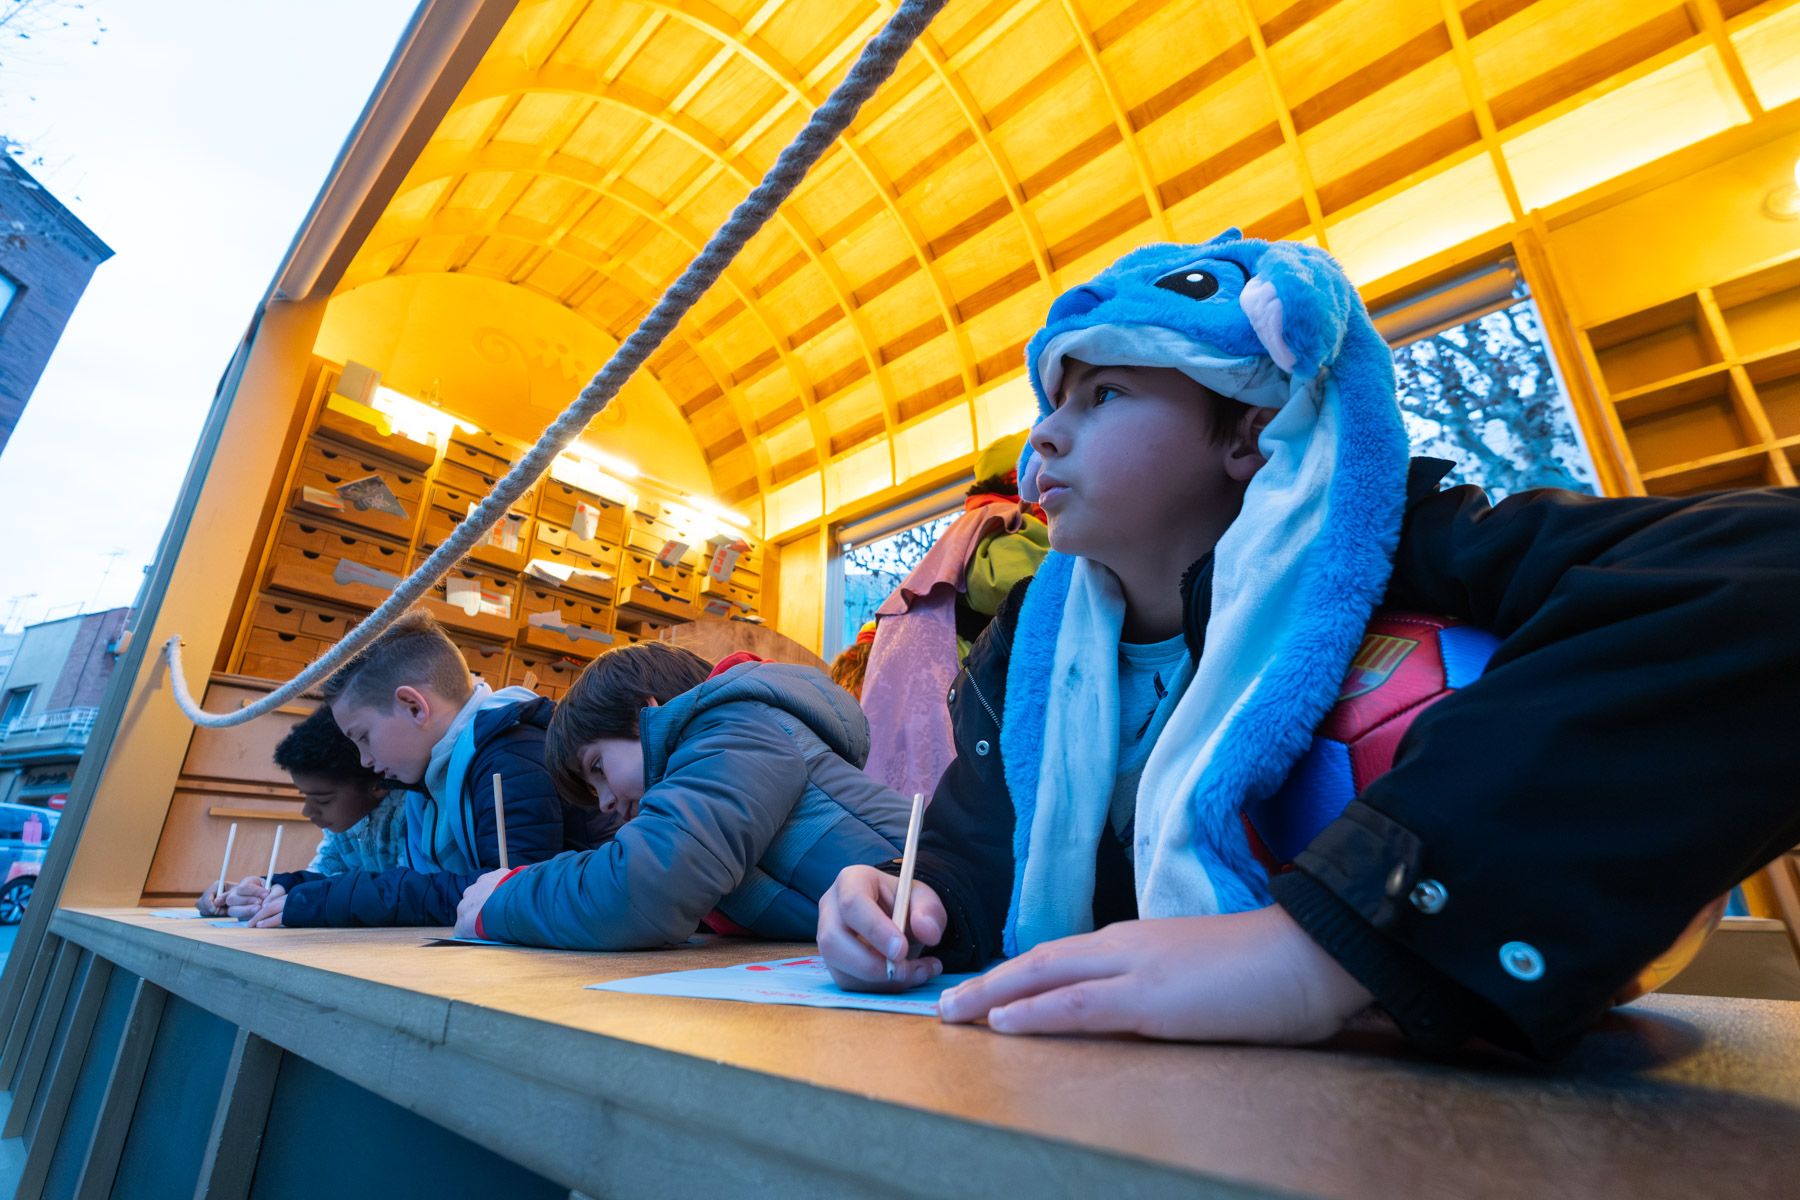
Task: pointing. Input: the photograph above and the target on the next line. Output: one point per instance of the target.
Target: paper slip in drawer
(503, 548)
(601, 552)
(577, 640)
(582, 580)
(563, 505)
(475, 602)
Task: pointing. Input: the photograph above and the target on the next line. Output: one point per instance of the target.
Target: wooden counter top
(612, 1093)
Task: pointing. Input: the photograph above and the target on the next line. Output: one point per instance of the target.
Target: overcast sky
(191, 139)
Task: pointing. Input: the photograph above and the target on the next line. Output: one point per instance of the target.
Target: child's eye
(1105, 392)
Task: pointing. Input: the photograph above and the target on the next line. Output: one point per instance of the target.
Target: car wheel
(14, 896)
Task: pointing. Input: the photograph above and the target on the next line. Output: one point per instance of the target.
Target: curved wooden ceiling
(1021, 145)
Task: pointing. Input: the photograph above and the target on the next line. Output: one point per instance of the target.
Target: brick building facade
(49, 697)
(47, 257)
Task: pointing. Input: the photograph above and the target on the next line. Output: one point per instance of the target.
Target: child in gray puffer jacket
(741, 795)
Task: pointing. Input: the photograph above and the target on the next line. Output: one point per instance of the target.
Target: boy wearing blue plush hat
(1221, 456)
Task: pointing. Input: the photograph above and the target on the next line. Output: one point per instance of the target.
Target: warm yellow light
(610, 463)
(416, 419)
(713, 508)
(1783, 203)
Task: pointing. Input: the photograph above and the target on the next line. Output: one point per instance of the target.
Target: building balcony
(59, 734)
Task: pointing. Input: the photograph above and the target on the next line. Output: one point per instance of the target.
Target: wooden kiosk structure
(525, 180)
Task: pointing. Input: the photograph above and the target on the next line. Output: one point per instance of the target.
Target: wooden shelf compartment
(548, 674)
(1753, 467)
(501, 588)
(586, 628)
(1776, 379)
(482, 452)
(286, 634)
(306, 557)
(506, 546)
(1762, 309)
(323, 468)
(559, 502)
(558, 545)
(1658, 344)
(488, 661)
(1694, 419)
(364, 437)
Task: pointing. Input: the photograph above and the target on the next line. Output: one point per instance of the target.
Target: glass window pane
(874, 569)
(1486, 395)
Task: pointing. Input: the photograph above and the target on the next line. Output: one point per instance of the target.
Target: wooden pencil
(908, 860)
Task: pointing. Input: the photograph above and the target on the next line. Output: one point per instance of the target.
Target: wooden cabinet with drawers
(324, 469)
(329, 562)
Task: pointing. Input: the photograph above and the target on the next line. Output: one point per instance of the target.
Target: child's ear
(1243, 458)
(414, 703)
(652, 702)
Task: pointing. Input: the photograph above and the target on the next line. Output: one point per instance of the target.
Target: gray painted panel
(175, 1106)
(326, 1136)
(90, 1086)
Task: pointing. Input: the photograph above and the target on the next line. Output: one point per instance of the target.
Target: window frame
(921, 509)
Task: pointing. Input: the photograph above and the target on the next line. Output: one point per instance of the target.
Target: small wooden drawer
(276, 613)
(646, 599)
(481, 452)
(744, 598)
(584, 627)
(466, 478)
(306, 561)
(582, 582)
(650, 534)
(495, 616)
(362, 437)
(324, 469)
(545, 674)
(505, 546)
(600, 552)
(278, 655)
(283, 627)
(488, 661)
(679, 580)
(559, 503)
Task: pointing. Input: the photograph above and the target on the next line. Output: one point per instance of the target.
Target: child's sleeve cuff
(481, 932)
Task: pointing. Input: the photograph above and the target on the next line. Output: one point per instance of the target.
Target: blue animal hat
(1295, 578)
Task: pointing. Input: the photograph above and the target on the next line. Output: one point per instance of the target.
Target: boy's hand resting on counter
(1244, 977)
(858, 937)
(243, 898)
(268, 914)
(473, 897)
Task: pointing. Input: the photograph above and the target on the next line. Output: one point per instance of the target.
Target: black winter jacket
(509, 742)
(1628, 756)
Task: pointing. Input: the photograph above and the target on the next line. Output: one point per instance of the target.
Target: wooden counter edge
(633, 1117)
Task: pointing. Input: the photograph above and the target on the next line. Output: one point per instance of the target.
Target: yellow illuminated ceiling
(858, 341)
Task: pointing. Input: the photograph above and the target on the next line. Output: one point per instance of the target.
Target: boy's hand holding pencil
(869, 923)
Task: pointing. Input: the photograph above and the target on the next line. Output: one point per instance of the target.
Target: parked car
(25, 832)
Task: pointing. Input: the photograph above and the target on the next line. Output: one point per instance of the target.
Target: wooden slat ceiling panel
(1364, 147)
(1021, 146)
(1551, 49)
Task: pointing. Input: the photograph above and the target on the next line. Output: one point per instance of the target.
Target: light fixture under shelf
(1783, 203)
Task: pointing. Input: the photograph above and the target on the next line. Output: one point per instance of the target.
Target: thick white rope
(870, 70)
